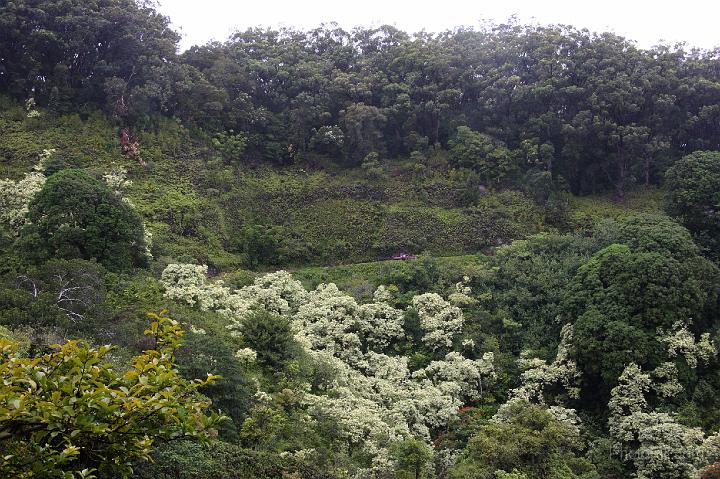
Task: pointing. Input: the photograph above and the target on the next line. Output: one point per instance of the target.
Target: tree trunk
(620, 187)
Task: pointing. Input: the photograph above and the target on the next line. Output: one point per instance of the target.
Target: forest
(488, 253)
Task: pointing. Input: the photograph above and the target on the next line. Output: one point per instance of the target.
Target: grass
(638, 200)
(198, 204)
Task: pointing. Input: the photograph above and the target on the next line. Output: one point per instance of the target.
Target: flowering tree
(538, 376)
(654, 444)
(440, 320)
(373, 396)
(15, 197)
(681, 342)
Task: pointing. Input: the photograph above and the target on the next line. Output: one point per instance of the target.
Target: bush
(271, 337)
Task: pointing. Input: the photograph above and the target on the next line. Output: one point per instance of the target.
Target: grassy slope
(197, 203)
(640, 200)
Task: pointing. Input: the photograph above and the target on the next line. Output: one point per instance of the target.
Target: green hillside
(198, 204)
(367, 254)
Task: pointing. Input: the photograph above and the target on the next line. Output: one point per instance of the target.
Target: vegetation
(694, 198)
(475, 254)
(68, 413)
(76, 216)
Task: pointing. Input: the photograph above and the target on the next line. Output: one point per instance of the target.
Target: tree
(62, 294)
(69, 413)
(362, 126)
(488, 156)
(440, 320)
(621, 296)
(694, 196)
(15, 198)
(270, 335)
(654, 444)
(259, 244)
(652, 233)
(527, 440)
(363, 390)
(66, 52)
(76, 216)
(412, 457)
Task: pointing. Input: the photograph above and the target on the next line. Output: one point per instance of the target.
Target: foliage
(693, 196)
(440, 320)
(259, 244)
(326, 147)
(590, 108)
(231, 145)
(488, 156)
(373, 396)
(76, 216)
(538, 376)
(269, 336)
(530, 441)
(413, 458)
(69, 413)
(65, 294)
(225, 460)
(654, 443)
(621, 296)
(15, 198)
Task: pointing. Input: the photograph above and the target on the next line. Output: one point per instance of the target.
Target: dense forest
(484, 253)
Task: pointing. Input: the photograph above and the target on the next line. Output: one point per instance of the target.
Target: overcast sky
(696, 22)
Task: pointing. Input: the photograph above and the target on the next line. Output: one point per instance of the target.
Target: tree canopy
(694, 196)
(592, 108)
(76, 216)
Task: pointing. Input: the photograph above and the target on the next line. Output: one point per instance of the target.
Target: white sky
(696, 22)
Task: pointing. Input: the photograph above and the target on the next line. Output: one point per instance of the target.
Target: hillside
(323, 254)
(200, 205)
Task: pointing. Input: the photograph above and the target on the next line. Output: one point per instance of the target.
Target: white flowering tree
(456, 371)
(374, 397)
(440, 321)
(538, 375)
(380, 324)
(117, 180)
(654, 444)
(15, 196)
(681, 343)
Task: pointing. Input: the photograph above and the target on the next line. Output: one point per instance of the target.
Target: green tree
(362, 125)
(69, 413)
(529, 440)
(260, 244)
(621, 296)
(694, 196)
(77, 216)
(271, 336)
(231, 145)
(413, 457)
(486, 155)
(65, 51)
